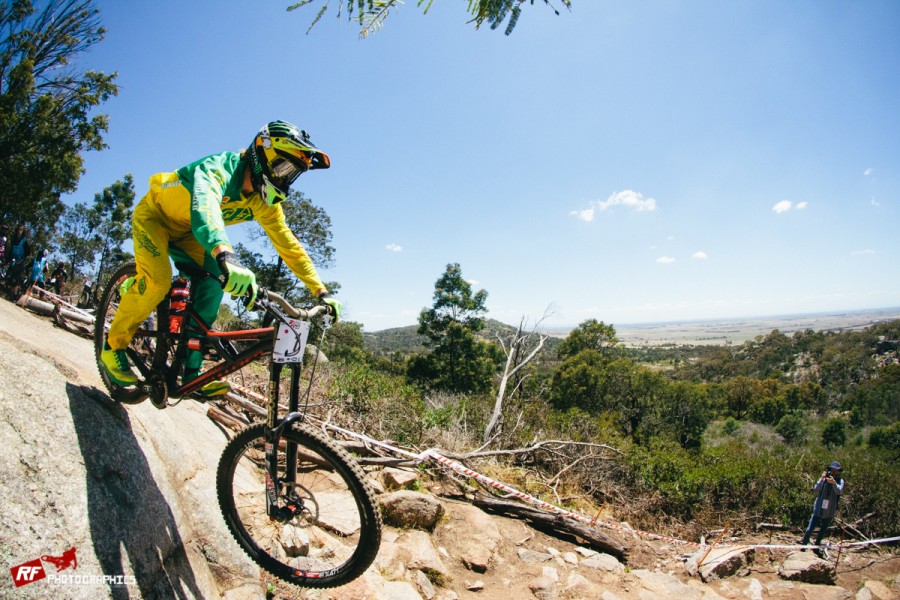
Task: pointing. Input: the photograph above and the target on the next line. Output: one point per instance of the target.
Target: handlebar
(296, 313)
(263, 296)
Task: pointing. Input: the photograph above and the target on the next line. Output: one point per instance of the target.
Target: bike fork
(287, 481)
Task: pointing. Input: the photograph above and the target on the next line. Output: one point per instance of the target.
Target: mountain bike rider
(184, 216)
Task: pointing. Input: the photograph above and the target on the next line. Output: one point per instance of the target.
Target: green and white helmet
(279, 154)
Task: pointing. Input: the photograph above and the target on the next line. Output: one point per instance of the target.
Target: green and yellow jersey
(214, 200)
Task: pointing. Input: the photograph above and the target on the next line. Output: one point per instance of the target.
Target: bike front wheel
(332, 533)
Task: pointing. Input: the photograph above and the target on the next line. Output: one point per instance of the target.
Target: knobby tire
(332, 541)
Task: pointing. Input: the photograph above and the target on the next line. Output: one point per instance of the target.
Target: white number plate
(290, 342)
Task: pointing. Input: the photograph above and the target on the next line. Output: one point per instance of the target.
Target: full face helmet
(278, 155)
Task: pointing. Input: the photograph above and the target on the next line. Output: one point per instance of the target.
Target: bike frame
(196, 334)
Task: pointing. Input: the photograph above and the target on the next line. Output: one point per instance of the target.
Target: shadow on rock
(129, 517)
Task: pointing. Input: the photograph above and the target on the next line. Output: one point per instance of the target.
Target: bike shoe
(215, 388)
(115, 363)
(212, 389)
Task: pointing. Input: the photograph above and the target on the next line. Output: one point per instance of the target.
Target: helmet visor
(285, 171)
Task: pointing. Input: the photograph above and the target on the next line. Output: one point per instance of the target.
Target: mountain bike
(295, 501)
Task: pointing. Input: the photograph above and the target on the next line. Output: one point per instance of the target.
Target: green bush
(886, 437)
(792, 428)
(383, 403)
(731, 426)
(835, 433)
(735, 482)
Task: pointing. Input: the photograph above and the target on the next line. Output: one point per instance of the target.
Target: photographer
(829, 488)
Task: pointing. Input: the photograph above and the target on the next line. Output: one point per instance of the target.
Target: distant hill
(406, 341)
(711, 332)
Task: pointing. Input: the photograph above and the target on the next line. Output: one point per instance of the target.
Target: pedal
(156, 390)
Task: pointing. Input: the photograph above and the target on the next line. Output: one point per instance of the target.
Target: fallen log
(554, 523)
(49, 304)
(39, 306)
(219, 416)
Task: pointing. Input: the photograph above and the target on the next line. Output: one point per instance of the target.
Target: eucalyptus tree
(456, 360)
(370, 15)
(47, 106)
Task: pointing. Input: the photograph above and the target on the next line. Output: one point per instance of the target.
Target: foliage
(645, 403)
(46, 107)
(111, 222)
(345, 342)
(792, 428)
(834, 433)
(74, 237)
(454, 302)
(381, 404)
(877, 399)
(887, 437)
(371, 14)
(731, 426)
(92, 237)
(456, 359)
(770, 484)
(459, 362)
(589, 335)
(741, 393)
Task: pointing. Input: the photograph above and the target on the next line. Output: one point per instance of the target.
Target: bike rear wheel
(331, 540)
(143, 345)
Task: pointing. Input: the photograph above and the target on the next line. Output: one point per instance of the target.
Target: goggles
(285, 171)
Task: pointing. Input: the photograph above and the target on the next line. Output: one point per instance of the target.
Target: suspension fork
(272, 435)
(274, 482)
(290, 454)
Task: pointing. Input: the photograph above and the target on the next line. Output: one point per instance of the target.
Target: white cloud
(585, 215)
(862, 252)
(394, 248)
(869, 171)
(700, 254)
(783, 206)
(665, 260)
(802, 205)
(628, 198)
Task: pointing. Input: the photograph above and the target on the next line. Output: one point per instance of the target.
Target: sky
(629, 161)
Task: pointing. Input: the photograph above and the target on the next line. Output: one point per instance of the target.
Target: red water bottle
(177, 304)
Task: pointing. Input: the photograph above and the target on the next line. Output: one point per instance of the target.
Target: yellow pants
(157, 235)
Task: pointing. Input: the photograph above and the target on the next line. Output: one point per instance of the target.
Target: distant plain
(737, 331)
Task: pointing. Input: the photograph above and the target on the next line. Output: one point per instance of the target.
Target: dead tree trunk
(513, 366)
(593, 537)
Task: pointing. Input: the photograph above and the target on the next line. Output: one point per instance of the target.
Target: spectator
(17, 249)
(58, 278)
(829, 488)
(39, 268)
(4, 238)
